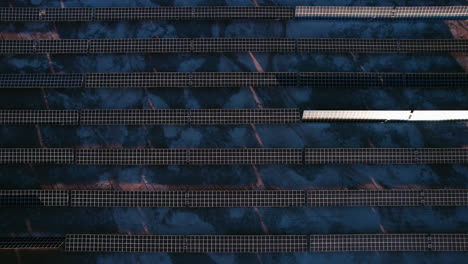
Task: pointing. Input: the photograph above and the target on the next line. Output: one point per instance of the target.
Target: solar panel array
(31, 242)
(232, 156)
(187, 244)
(382, 12)
(389, 242)
(264, 243)
(235, 79)
(233, 12)
(33, 198)
(383, 116)
(208, 45)
(426, 197)
(188, 116)
(233, 198)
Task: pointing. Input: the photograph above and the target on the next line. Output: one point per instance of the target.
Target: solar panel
(235, 12)
(386, 156)
(368, 242)
(449, 242)
(134, 117)
(36, 156)
(244, 116)
(33, 198)
(243, 79)
(72, 80)
(239, 198)
(382, 45)
(138, 80)
(100, 198)
(45, 14)
(155, 45)
(31, 242)
(158, 45)
(26, 117)
(226, 156)
(441, 155)
(235, 79)
(382, 13)
(187, 116)
(243, 12)
(426, 197)
(244, 44)
(383, 116)
(123, 243)
(140, 13)
(246, 243)
(131, 156)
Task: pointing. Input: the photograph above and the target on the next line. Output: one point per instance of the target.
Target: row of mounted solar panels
(235, 79)
(216, 116)
(207, 45)
(234, 12)
(231, 156)
(243, 243)
(233, 198)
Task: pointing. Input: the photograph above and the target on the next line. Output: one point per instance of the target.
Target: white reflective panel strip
(447, 115)
(310, 115)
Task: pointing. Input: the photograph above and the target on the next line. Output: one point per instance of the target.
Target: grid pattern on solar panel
(364, 198)
(131, 156)
(243, 44)
(139, 13)
(239, 198)
(134, 116)
(33, 198)
(368, 242)
(23, 117)
(360, 155)
(17, 46)
(243, 12)
(227, 156)
(244, 116)
(452, 197)
(30, 242)
(442, 155)
(246, 243)
(45, 14)
(99, 198)
(36, 156)
(73, 80)
(241, 79)
(449, 242)
(235, 79)
(155, 45)
(137, 80)
(382, 45)
(431, 12)
(123, 243)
